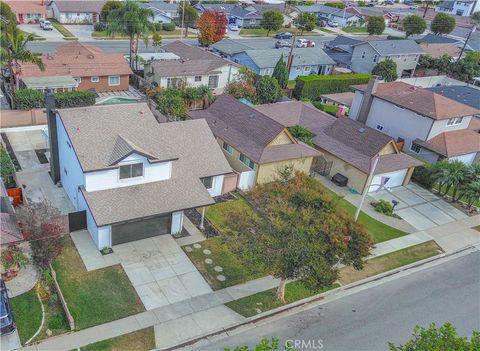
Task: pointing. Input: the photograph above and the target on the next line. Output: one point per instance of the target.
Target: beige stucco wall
(267, 172)
(440, 126)
(356, 178)
(281, 139)
(233, 159)
(388, 149)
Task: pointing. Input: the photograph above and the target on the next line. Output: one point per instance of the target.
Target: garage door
(391, 179)
(142, 229)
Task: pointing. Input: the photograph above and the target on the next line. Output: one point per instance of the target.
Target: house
(458, 8)
(127, 173)
(163, 11)
(194, 67)
(28, 11)
(255, 145)
(405, 53)
(76, 11)
(78, 66)
(245, 16)
(348, 147)
(338, 99)
(431, 38)
(420, 118)
(465, 94)
(340, 49)
(438, 50)
(328, 13)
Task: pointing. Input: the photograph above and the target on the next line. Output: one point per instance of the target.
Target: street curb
(251, 322)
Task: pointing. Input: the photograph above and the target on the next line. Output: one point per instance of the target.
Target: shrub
(384, 207)
(100, 26)
(423, 176)
(26, 99)
(312, 87)
(158, 26)
(6, 166)
(169, 27)
(74, 99)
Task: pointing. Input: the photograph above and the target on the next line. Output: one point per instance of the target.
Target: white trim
(94, 79)
(110, 84)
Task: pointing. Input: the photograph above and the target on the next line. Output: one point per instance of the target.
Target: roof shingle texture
(268, 58)
(394, 47)
(88, 6)
(454, 143)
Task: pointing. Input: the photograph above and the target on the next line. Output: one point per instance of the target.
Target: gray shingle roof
(92, 6)
(268, 58)
(431, 38)
(465, 94)
(229, 46)
(394, 47)
(160, 6)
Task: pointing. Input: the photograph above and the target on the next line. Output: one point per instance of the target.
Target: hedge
(26, 99)
(312, 87)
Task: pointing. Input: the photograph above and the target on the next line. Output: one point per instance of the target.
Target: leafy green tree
(338, 5)
(302, 133)
(475, 18)
(386, 69)
(243, 85)
(280, 73)
(190, 16)
(468, 67)
(109, 6)
(272, 20)
(6, 166)
(442, 24)
(376, 25)
(171, 103)
(268, 90)
(156, 39)
(414, 24)
(438, 339)
(306, 21)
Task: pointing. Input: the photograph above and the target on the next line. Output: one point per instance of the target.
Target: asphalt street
(368, 319)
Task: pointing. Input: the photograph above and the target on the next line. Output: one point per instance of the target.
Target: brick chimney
(367, 100)
(52, 136)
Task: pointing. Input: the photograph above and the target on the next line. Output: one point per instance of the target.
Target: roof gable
(124, 148)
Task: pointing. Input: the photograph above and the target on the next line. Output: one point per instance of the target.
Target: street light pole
(474, 28)
(367, 186)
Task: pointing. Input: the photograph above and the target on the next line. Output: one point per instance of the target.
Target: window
(208, 182)
(131, 171)
(94, 79)
(175, 83)
(415, 148)
(363, 54)
(213, 82)
(306, 68)
(113, 80)
(198, 78)
(77, 79)
(379, 127)
(375, 58)
(253, 22)
(227, 148)
(246, 161)
(454, 121)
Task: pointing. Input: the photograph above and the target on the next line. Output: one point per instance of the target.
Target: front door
(20, 17)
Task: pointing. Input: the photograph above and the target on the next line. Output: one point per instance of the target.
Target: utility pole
(367, 186)
(426, 8)
(183, 20)
(474, 28)
(292, 49)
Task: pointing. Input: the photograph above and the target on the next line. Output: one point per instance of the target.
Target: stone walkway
(27, 277)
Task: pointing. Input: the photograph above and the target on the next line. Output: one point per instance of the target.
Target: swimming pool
(118, 100)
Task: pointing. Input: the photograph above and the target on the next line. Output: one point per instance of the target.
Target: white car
(46, 25)
(233, 27)
(305, 43)
(332, 24)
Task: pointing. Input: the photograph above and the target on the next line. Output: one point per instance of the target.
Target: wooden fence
(71, 321)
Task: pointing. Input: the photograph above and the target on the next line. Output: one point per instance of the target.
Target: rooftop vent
(91, 56)
(361, 130)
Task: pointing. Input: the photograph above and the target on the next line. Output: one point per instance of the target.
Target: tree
(212, 26)
(438, 339)
(475, 18)
(156, 40)
(242, 85)
(442, 24)
(272, 20)
(8, 17)
(268, 90)
(456, 176)
(386, 69)
(280, 73)
(109, 6)
(471, 193)
(131, 20)
(46, 231)
(468, 67)
(306, 21)
(302, 133)
(414, 24)
(376, 25)
(171, 103)
(189, 16)
(298, 233)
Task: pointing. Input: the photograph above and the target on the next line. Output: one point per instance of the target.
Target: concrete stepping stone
(221, 278)
(208, 261)
(188, 249)
(207, 252)
(218, 269)
(197, 246)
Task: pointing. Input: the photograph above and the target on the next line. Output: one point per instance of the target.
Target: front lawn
(390, 261)
(361, 30)
(94, 297)
(264, 301)
(141, 340)
(27, 311)
(218, 213)
(63, 31)
(103, 34)
(260, 32)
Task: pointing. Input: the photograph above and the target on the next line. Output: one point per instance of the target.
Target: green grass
(36, 37)
(94, 297)
(27, 311)
(362, 30)
(260, 32)
(103, 34)
(390, 261)
(63, 31)
(264, 301)
(326, 30)
(141, 340)
(217, 214)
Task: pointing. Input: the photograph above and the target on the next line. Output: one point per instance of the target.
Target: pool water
(118, 100)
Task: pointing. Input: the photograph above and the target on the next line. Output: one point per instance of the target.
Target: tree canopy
(267, 89)
(280, 73)
(302, 133)
(272, 20)
(171, 103)
(376, 25)
(109, 6)
(414, 24)
(442, 24)
(386, 69)
(189, 18)
(212, 26)
(306, 21)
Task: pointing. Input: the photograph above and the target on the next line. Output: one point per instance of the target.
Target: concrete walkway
(26, 278)
(195, 234)
(456, 235)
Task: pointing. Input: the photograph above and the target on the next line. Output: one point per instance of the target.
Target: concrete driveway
(82, 31)
(419, 207)
(53, 35)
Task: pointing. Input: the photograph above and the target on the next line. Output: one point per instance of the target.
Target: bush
(312, 87)
(6, 166)
(74, 99)
(158, 26)
(26, 99)
(100, 26)
(384, 207)
(169, 27)
(423, 176)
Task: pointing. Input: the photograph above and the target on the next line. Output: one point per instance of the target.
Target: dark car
(284, 35)
(389, 2)
(370, 4)
(7, 322)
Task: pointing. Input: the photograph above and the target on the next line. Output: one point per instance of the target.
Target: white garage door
(390, 179)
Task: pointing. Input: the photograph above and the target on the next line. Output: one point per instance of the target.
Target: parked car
(7, 322)
(371, 4)
(389, 2)
(46, 25)
(284, 35)
(333, 24)
(233, 27)
(305, 43)
(282, 44)
(412, 7)
(322, 23)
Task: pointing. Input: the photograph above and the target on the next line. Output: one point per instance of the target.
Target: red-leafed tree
(212, 26)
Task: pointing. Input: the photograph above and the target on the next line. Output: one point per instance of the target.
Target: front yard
(260, 32)
(63, 31)
(94, 297)
(142, 340)
(355, 30)
(27, 311)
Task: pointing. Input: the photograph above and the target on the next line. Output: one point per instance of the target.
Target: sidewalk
(456, 235)
(400, 243)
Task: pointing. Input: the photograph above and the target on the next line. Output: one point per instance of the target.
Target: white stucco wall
(467, 158)
(356, 104)
(217, 185)
(177, 222)
(441, 126)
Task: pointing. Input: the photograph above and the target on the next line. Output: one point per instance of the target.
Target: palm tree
(457, 176)
(471, 193)
(440, 174)
(133, 21)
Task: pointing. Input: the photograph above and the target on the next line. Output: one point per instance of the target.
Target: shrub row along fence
(312, 87)
(26, 99)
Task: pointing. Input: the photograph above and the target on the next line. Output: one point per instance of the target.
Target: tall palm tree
(457, 176)
(131, 20)
(440, 174)
(471, 193)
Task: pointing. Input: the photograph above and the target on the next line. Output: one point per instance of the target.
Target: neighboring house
(9, 229)
(245, 17)
(78, 66)
(338, 99)
(256, 146)
(228, 48)
(458, 7)
(28, 11)
(131, 175)
(348, 147)
(194, 67)
(405, 53)
(163, 12)
(341, 48)
(438, 50)
(76, 11)
(328, 13)
(420, 118)
(465, 94)
(431, 38)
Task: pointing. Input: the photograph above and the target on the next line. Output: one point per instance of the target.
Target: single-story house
(193, 66)
(76, 11)
(256, 146)
(328, 13)
(245, 17)
(163, 12)
(338, 99)
(127, 172)
(348, 147)
(78, 66)
(28, 11)
(458, 7)
(438, 50)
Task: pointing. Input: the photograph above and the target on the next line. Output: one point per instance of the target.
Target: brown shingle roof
(438, 50)
(27, 6)
(455, 143)
(420, 100)
(79, 60)
(87, 6)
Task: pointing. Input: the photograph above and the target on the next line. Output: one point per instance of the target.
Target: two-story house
(343, 17)
(458, 7)
(405, 53)
(255, 145)
(132, 176)
(431, 125)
